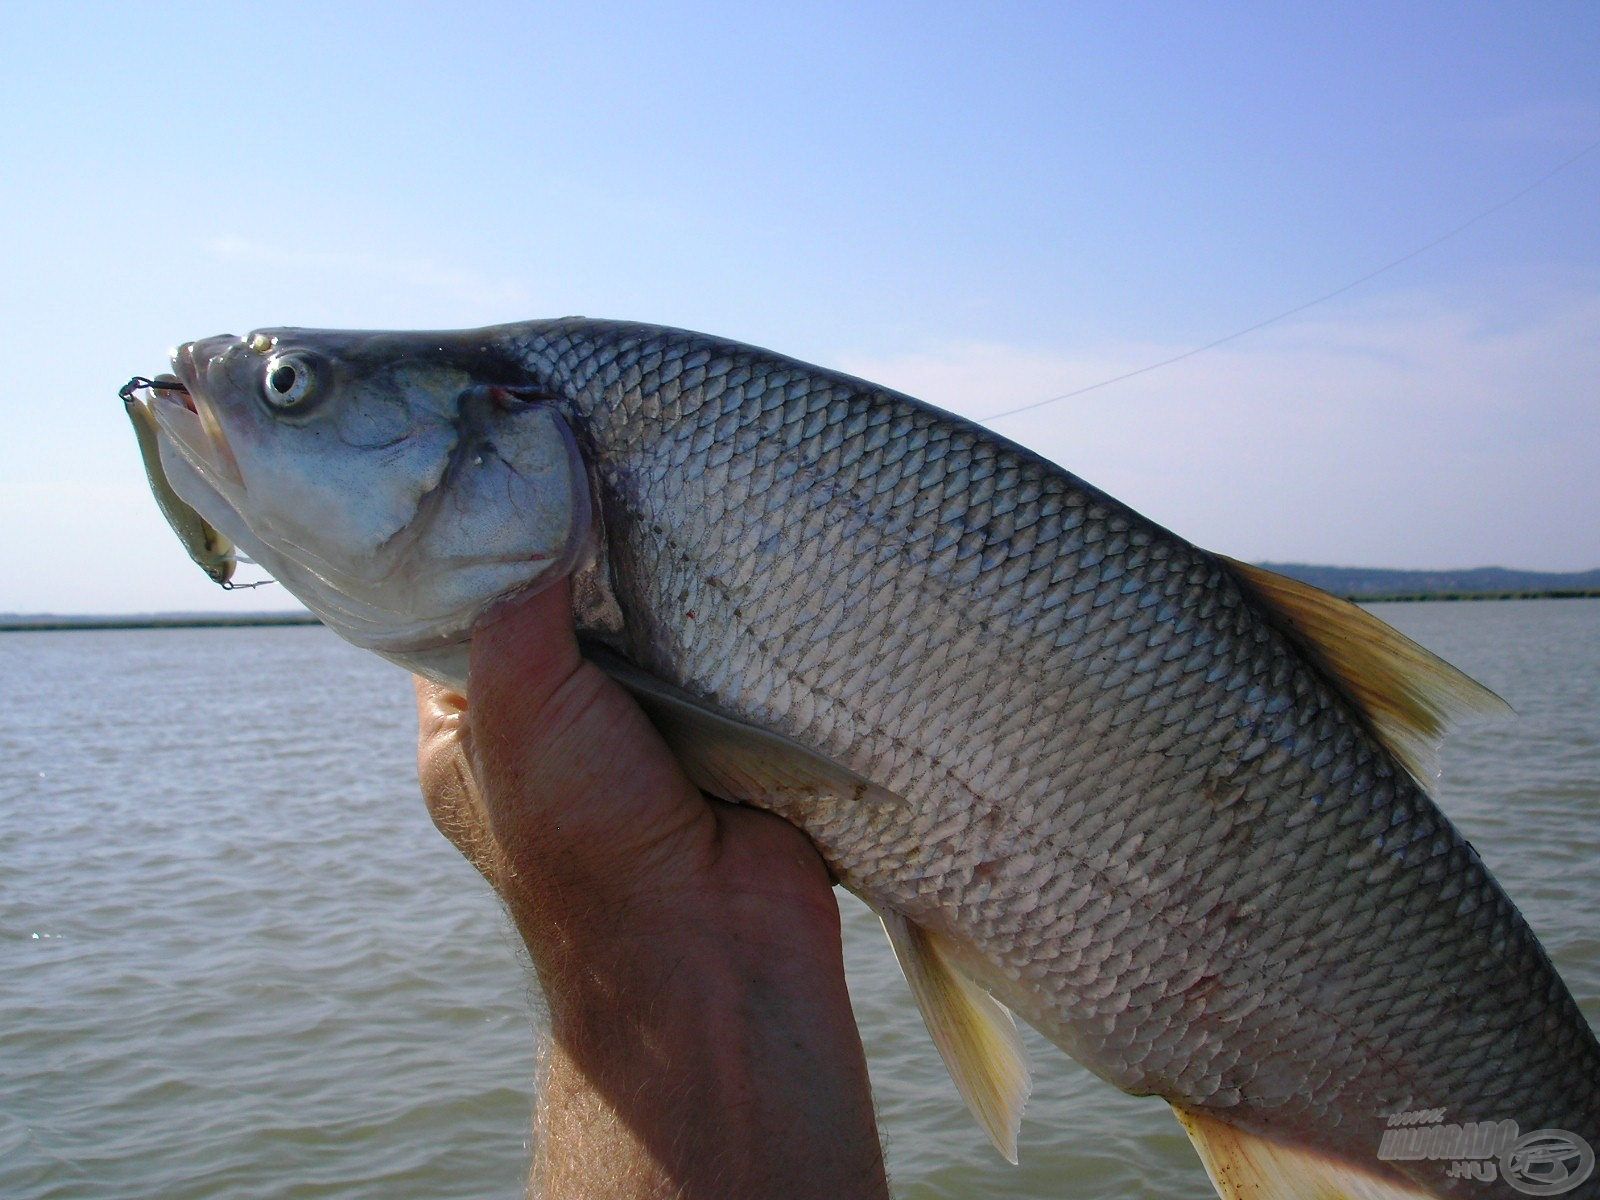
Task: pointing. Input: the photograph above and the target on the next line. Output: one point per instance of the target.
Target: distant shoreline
(1409, 597)
(60, 624)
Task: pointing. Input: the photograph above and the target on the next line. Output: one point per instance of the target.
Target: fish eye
(289, 381)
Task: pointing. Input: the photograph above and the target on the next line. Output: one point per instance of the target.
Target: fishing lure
(211, 551)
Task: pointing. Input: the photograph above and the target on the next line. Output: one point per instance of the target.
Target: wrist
(711, 1053)
(638, 963)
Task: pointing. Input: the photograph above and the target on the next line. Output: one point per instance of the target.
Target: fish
(1169, 808)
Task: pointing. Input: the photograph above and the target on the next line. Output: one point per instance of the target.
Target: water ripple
(237, 961)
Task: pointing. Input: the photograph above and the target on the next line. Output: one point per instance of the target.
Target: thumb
(577, 784)
(523, 651)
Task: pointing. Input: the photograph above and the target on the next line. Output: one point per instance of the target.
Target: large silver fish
(1170, 809)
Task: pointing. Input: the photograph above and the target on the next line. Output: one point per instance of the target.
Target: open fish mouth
(189, 421)
(173, 388)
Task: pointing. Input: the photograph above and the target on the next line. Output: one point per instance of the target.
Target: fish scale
(1047, 675)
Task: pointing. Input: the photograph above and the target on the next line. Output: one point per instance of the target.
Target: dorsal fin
(1409, 694)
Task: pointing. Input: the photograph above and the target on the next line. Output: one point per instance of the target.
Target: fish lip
(185, 367)
(190, 374)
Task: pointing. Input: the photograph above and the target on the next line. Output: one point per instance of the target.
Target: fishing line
(1300, 308)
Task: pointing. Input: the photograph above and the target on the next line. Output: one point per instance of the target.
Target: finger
(445, 776)
(441, 731)
(436, 703)
(577, 783)
(524, 651)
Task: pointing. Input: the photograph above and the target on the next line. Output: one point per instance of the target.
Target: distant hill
(1363, 583)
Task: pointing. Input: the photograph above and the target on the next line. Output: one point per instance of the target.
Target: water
(237, 961)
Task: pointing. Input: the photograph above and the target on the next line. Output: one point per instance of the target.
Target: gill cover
(404, 497)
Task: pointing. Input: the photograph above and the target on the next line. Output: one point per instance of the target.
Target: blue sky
(982, 205)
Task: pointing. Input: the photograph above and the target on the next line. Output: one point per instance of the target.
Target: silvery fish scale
(1138, 812)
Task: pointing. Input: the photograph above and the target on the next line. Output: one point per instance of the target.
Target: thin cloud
(1404, 432)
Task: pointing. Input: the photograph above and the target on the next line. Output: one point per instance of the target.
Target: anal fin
(976, 1036)
(1246, 1166)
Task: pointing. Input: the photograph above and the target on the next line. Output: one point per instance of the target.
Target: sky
(983, 205)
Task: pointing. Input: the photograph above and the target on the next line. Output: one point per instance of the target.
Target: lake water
(237, 961)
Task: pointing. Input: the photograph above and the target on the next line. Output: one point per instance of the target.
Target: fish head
(398, 484)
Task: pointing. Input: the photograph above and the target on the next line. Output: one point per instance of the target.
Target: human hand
(702, 1040)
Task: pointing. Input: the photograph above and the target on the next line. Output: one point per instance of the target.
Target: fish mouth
(188, 416)
(171, 383)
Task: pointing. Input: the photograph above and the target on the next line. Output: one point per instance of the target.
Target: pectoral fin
(1246, 1166)
(975, 1034)
(738, 761)
(728, 757)
(1409, 694)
